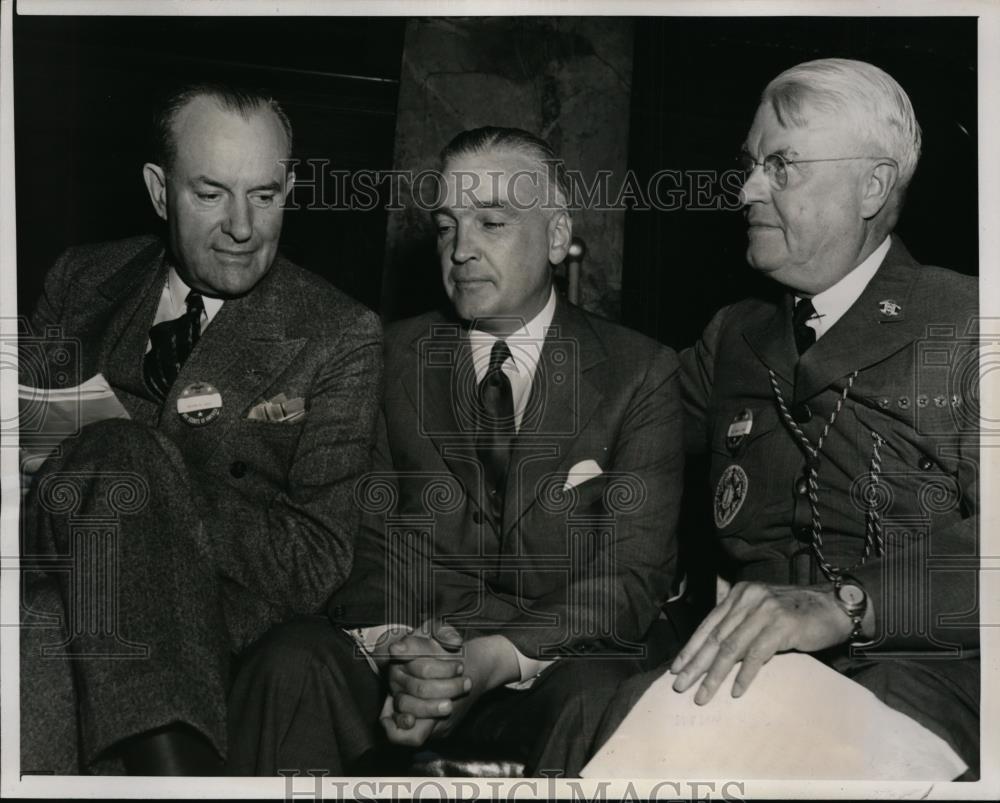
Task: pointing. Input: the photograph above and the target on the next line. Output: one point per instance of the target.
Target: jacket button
(477, 517)
(801, 413)
(803, 534)
(802, 486)
(925, 463)
(238, 469)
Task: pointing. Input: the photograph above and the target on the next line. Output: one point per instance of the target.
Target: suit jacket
(912, 339)
(559, 570)
(275, 498)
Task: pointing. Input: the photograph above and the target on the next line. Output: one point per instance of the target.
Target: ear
(878, 187)
(560, 236)
(156, 184)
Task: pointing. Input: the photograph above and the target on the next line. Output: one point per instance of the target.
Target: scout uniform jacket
(894, 385)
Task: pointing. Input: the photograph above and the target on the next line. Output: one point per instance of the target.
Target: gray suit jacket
(275, 498)
(559, 571)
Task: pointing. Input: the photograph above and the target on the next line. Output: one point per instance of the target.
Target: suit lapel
(865, 335)
(564, 396)
(443, 394)
(772, 340)
(133, 294)
(240, 353)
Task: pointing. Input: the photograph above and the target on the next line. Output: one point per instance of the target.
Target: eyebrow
(271, 186)
(785, 152)
(500, 205)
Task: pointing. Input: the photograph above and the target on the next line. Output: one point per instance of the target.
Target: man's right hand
(427, 660)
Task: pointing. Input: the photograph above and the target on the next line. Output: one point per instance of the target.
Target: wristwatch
(851, 597)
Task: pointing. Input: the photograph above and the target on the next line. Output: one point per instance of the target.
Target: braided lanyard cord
(873, 526)
(873, 519)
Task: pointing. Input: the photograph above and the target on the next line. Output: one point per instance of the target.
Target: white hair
(875, 104)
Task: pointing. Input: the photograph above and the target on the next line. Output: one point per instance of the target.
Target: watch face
(851, 595)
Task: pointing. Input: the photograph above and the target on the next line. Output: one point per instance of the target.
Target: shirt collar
(525, 343)
(833, 302)
(178, 291)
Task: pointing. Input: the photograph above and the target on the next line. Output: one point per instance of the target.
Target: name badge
(738, 430)
(199, 404)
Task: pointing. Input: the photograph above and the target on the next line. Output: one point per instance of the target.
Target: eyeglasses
(776, 166)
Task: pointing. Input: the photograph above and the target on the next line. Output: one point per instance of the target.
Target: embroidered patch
(730, 494)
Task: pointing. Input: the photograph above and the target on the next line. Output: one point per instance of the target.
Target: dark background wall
(83, 91)
(696, 84)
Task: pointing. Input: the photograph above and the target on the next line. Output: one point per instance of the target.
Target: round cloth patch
(730, 494)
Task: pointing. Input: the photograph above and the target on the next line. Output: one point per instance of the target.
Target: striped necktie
(172, 343)
(495, 429)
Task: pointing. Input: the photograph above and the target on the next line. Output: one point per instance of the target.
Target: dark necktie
(495, 426)
(805, 335)
(172, 343)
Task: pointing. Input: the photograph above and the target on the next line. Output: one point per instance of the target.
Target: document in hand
(798, 720)
(48, 416)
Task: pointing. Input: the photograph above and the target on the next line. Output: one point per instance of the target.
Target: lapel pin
(199, 404)
(739, 429)
(889, 308)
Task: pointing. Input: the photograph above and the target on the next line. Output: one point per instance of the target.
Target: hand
(751, 624)
(424, 675)
(490, 661)
(415, 732)
(423, 704)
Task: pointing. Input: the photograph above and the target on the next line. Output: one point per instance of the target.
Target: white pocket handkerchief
(581, 472)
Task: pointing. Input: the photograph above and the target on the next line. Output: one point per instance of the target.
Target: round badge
(730, 494)
(199, 404)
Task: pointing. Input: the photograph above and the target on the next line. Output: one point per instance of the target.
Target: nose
(756, 187)
(239, 220)
(465, 245)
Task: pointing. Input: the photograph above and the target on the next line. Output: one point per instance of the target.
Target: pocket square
(280, 410)
(581, 472)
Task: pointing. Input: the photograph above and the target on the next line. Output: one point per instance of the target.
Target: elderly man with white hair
(840, 419)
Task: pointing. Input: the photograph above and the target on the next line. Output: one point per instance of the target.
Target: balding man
(837, 417)
(519, 541)
(252, 388)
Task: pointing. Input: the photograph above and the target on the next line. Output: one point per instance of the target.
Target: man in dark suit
(225, 502)
(518, 542)
(841, 419)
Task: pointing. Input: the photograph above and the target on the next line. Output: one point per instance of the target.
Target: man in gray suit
(518, 542)
(225, 501)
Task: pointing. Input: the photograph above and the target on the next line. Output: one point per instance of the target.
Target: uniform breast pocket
(744, 478)
(902, 473)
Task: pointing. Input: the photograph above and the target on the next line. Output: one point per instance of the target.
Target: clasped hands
(434, 678)
(752, 623)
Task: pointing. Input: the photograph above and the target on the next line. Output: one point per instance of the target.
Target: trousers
(305, 699)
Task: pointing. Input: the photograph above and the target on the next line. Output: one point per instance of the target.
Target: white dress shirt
(833, 302)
